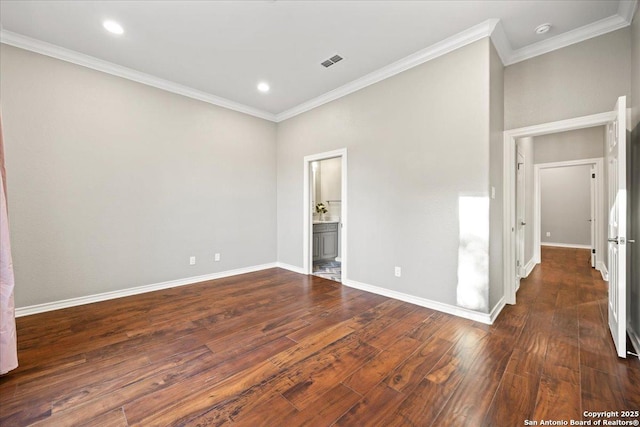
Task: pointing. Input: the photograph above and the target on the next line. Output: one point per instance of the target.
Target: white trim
(105, 296)
(626, 9)
(436, 50)
(529, 267)
(565, 245)
(423, 302)
(496, 310)
(598, 202)
(48, 49)
(634, 338)
(290, 267)
(586, 32)
(307, 212)
(603, 270)
(508, 171)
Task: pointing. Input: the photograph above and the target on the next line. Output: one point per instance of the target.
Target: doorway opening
(325, 215)
(569, 207)
(615, 122)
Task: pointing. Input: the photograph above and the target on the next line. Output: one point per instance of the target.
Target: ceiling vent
(329, 62)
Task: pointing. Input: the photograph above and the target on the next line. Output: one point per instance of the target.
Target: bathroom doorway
(325, 215)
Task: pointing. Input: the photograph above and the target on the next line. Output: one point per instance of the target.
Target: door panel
(617, 233)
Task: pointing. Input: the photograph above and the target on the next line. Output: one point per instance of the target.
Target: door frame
(307, 222)
(596, 202)
(509, 187)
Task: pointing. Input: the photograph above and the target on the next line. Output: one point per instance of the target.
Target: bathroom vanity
(325, 240)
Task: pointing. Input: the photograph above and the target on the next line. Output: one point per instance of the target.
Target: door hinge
(518, 261)
(593, 251)
(593, 175)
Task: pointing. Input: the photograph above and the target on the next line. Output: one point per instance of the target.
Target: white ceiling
(224, 48)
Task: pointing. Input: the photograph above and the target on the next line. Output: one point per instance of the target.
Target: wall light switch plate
(548, 234)
(398, 271)
(216, 257)
(192, 260)
(493, 192)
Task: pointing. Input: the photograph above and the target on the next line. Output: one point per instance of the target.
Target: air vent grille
(329, 62)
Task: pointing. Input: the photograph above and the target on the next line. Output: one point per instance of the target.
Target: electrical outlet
(398, 272)
(216, 257)
(548, 234)
(192, 260)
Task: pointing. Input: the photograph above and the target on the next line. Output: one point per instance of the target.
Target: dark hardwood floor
(275, 348)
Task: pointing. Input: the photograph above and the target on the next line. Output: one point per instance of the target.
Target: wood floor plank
(365, 378)
(279, 348)
(557, 400)
(520, 392)
(326, 409)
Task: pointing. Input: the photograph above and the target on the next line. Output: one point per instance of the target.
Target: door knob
(523, 223)
(613, 240)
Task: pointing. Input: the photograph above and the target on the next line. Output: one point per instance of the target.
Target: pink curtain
(8, 341)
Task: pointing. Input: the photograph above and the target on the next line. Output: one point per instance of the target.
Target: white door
(617, 235)
(520, 214)
(592, 218)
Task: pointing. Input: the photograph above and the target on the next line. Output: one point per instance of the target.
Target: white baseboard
(529, 267)
(635, 339)
(603, 270)
(72, 302)
(496, 310)
(290, 267)
(565, 245)
(485, 318)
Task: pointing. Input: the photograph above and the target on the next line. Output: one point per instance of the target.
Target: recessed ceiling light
(113, 27)
(263, 87)
(543, 28)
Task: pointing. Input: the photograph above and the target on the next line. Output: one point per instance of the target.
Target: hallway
(564, 354)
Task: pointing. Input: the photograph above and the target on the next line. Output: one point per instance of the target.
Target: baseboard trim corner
(105, 296)
(423, 302)
(528, 268)
(290, 267)
(603, 270)
(635, 339)
(497, 309)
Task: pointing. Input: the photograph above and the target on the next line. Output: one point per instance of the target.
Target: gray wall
(573, 145)
(113, 184)
(565, 205)
(496, 123)
(634, 185)
(578, 80)
(417, 144)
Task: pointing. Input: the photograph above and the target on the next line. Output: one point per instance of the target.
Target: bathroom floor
(331, 270)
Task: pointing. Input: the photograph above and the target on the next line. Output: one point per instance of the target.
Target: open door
(520, 214)
(592, 217)
(617, 234)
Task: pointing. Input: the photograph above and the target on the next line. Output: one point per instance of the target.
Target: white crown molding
(627, 8)
(501, 43)
(577, 35)
(434, 51)
(476, 316)
(48, 49)
(105, 296)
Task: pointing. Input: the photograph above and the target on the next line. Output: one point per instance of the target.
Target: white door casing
(617, 233)
(509, 185)
(308, 209)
